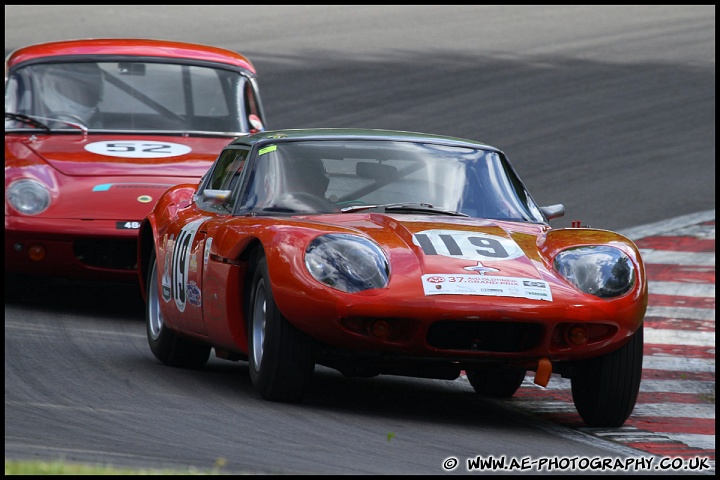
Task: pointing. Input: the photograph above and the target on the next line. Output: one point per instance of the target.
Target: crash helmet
(74, 88)
(306, 175)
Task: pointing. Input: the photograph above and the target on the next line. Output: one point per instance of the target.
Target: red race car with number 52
(95, 131)
(378, 252)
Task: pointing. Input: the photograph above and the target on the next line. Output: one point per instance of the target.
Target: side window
(224, 176)
(226, 167)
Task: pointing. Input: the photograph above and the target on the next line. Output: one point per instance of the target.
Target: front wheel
(605, 388)
(166, 345)
(281, 357)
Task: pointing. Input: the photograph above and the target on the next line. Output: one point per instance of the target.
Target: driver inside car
(72, 91)
(306, 184)
(306, 176)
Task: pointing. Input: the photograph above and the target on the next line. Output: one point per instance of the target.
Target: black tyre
(165, 344)
(281, 358)
(605, 389)
(496, 383)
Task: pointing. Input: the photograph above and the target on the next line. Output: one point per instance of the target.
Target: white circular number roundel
(181, 256)
(138, 149)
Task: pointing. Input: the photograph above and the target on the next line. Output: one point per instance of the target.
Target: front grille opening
(505, 337)
(107, 253)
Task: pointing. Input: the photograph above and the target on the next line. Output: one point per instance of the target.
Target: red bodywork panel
(134, 47)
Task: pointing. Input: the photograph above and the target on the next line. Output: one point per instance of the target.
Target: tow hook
(543, 372)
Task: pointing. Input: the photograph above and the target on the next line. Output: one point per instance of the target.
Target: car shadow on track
(102, 299)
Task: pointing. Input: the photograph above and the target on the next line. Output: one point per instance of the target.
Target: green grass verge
(13, 467)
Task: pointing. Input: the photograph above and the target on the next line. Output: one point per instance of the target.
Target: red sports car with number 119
(389, 253)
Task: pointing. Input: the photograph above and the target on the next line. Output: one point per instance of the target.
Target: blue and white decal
(138, 149)
(473, 246)
(193, 294)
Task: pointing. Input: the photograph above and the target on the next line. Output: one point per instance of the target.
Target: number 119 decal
(467, 245)
(182, 251)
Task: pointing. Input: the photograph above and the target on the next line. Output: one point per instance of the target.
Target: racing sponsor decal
(193, 294)
(268, 149)
(451, 284)
(146, 186)
(138, 149)
(475, 246)
(166, 281)
(180, 266)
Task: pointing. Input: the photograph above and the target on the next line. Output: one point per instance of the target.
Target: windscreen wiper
(404, 207)
(36, 121)
(21, 117)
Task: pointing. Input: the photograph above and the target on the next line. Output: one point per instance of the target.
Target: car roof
(354, 134)
(135, 47)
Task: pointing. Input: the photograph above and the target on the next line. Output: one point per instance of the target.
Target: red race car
(381, 252)
(96, 130)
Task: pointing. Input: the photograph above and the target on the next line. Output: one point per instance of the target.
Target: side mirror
(215, 196)
(553, 211)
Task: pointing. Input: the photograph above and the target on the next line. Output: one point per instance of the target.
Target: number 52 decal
(138, 149)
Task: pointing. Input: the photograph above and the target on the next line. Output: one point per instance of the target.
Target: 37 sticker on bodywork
(496, 286)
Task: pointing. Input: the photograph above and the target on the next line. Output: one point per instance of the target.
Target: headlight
(602, 271)
(28, 196)
(347, 262)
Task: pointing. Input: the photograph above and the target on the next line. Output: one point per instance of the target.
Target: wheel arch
(146, 244)
(249, 256)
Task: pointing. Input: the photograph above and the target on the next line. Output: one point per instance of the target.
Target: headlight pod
(27, 196)
(347, 262)
(600, 270)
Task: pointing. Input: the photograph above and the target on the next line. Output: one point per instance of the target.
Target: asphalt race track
(608, 110)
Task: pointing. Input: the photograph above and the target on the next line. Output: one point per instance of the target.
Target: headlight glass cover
(600, 270)
(347, 262)
(27, 196)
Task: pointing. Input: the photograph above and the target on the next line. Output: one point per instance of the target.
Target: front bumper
(92, 249)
